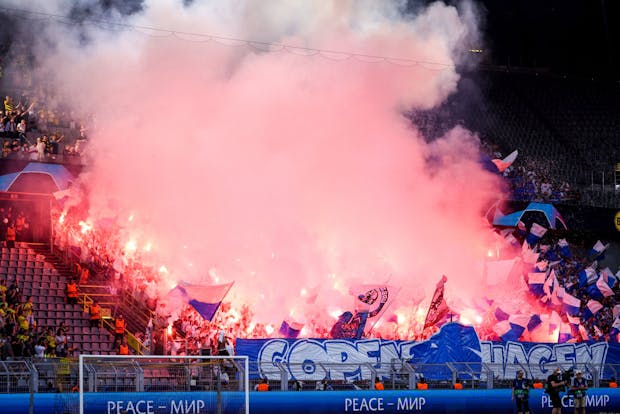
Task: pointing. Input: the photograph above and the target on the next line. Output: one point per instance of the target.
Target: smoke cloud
(286, 170)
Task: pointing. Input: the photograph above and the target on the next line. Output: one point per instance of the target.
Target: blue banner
(305, 402)
(316, 359)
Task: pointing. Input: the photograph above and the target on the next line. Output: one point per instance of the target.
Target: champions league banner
(350, 360)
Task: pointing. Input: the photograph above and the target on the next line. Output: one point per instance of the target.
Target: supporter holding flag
(351, 325)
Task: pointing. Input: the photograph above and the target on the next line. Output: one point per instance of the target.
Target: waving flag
(500, 315)
(570, 304)
(372, 298)
(541, 267)
(290, 330)
(598, 251)
(438, 309)
(349, 326)
(206, 299)
(548, 286)
(534, 322)
(564, 248)
(558, 294)
(502, 165)
(610, 279)
(528, 254)
(536, 233)
(512, 328)
(586, 277)
(600, 289)
(512, 240)
(591, 309)
(554, 322)
(566, 333)
(520, 231)
(536, 283)
(614, 332)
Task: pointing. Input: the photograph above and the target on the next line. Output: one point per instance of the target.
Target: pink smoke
(283, 172)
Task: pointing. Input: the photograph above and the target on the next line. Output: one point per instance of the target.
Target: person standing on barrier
(578, 389)
(521, 393)
(555, 385)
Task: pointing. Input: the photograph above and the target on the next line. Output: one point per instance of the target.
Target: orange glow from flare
(169, 329)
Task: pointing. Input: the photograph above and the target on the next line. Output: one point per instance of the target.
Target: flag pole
(380, 316)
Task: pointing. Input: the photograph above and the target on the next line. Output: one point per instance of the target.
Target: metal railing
(61, 375)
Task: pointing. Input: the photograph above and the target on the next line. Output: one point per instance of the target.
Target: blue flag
(536, 233)
(205, 299)
(290, 330)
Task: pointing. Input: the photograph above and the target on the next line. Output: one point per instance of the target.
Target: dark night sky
(579, 37)
(568, 36)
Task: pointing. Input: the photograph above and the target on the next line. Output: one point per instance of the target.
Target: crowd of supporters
(20, 335)
(33, 131)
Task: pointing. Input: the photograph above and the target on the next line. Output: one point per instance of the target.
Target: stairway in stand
(45, 279)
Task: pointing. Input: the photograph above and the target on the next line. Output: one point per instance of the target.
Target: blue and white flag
(500, 315)
(512, 328)
(290, 330)
(520, 231)
(583, 332)
(536, 233)
(587, 277)
(536, 283)
(548, 286)
(541, 267)
(574, 321)
(591, 309)
(614, 332)
(600, 289)
(609, 276)
(506, 331)
(534, 322)
(205, 299)
(598, 251)
(554, 322)
(558, 293)
(565, 334)
(564, 248)
(570, 304)
(512, 240)
(528, 255)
